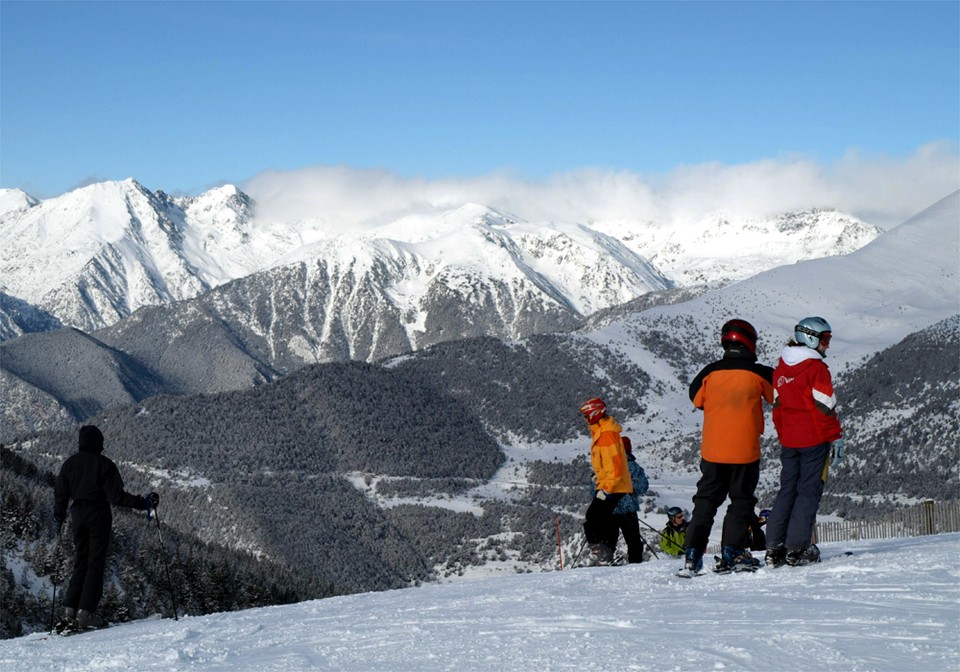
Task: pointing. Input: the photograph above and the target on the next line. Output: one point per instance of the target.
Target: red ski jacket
(804, 405)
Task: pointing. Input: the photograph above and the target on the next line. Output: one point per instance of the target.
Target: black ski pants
(92, 522)
(600, 525)
(803, 472)
(629, 525)
(717, 482)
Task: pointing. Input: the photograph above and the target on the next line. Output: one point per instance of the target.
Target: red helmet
(739, 331)
(593, 409)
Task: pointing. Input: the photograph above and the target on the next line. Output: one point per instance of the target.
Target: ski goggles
(823, 336)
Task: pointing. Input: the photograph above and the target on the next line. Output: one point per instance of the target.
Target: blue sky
(186, 95)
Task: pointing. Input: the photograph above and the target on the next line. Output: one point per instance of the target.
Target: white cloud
(881, 190)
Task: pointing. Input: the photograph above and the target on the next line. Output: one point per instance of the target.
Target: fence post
(556, 520)
(928, 516)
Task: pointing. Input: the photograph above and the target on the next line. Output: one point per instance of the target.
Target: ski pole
(659, 533)
(55, 577)
(648, 545)
(582, 546)
(166, 565)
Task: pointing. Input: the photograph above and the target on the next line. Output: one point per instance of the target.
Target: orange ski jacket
(731, 392)
(608, 457)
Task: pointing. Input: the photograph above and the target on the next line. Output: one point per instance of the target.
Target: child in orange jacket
(730, 392)
(611, 475)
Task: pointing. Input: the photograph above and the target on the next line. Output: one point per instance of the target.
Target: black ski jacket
(88, 476)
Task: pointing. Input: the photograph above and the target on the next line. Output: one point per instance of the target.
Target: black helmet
(739, 332)
(674, 511)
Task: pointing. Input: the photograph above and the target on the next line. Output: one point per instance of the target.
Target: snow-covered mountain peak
(224, 208)
(12, 200)
(432, 223)
(96, 254)
(50, 243)
(226, 196)
(100, 192)
(718, 248)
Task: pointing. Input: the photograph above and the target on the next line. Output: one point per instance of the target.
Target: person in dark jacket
(625, 513)
(730, 392)
(93, 482)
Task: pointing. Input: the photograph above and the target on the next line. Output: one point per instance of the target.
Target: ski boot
(807, 556)
(776, 556)
(692, 564)
(735, 559)
(87, 620)
(601, 555)
(67, 622)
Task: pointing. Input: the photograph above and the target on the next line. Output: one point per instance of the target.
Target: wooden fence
(930, 517)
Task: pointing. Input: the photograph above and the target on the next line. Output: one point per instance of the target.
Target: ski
(739, 569)
(68, 628)
(62, 629)
(685, 573)
(838, 556)
(616, 562)
(70, 632)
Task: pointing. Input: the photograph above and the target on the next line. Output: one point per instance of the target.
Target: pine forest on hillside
(299, 512)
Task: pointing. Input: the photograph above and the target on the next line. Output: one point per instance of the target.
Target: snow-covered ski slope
(893, 606)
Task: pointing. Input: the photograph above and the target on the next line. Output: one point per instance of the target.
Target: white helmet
(810, 330)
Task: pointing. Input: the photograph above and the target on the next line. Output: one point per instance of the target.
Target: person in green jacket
(673, 537)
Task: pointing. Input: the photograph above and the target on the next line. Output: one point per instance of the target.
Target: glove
(152, 499)
(836, 451)
(601, 494)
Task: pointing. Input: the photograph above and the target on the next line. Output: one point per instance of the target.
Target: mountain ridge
(98, 254)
